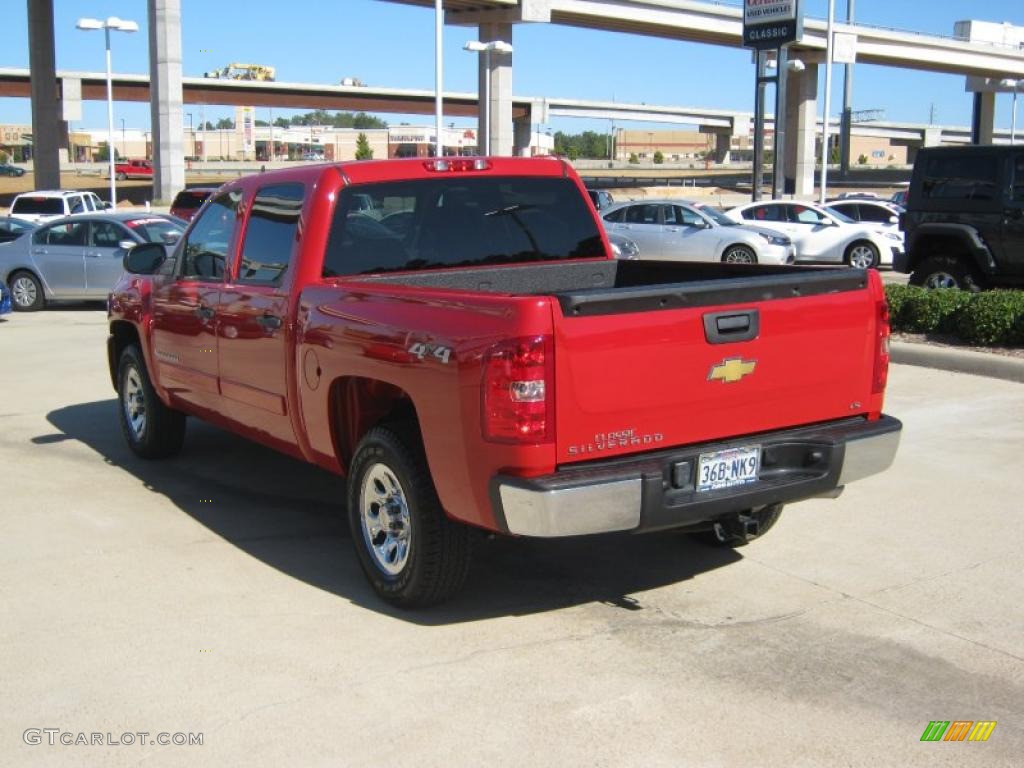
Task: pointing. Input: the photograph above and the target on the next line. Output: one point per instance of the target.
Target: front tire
(741, 529)
(409, 550)
(938, 272)
(122, 176)
(153, 430)
(739, 254)
(26, 292)
(862, 255)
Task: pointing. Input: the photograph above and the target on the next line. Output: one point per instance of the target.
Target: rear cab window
(457, 221)
(49, 206)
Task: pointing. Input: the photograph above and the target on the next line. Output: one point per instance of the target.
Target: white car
(820, 235)
(676, 230)
(881, 215)
(48, 204)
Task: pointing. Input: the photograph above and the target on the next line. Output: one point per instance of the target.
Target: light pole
(192, 133)
(119, 25)
(1015, 84)
(499, 46)
(124, 141)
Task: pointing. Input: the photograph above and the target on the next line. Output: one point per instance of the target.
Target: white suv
(44, 205)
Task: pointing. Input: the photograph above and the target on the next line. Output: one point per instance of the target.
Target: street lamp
(498, 46)
(1015, 84)
(192, 133)
(118, 25)
(124, 141)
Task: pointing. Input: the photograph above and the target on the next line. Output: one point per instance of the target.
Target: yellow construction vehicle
(237, 71)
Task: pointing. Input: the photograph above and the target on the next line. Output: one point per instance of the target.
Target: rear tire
(862, 255)
(937, 272)
(410, 551)
(122, 176)
(737, 531)
(26, 292)
(739, 254)
(153, 430)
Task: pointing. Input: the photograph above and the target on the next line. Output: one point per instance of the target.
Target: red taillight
(457, 164)
(518, 396)
(881, 375)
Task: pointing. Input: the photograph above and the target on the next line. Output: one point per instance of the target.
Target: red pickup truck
(471, 358)
(133, 169)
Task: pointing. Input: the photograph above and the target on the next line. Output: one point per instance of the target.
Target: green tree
(262, 124)
(634, 158)
(103, 154)
(225, 122)
(658, 157)
(281, 122)
(363, 151)
(862, 160)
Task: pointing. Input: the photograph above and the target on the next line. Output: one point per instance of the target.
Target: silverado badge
(731, 370)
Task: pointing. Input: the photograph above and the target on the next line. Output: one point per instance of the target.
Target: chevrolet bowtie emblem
(731, 370)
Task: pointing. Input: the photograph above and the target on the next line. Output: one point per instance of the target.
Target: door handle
(204, 313)
(727, 327)
(269, 322)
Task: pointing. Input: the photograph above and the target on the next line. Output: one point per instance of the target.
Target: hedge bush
(989, 319)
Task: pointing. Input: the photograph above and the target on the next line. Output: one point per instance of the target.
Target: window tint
(190, 201)
(76, 204)
(270, 234)
(851, 210)
(155, 230)
(1018, 179)
(206, 250)
(804, 215)
(458, 220)
(875, 213)
(616, 216)
(963, 177)
(642, 214)
(70, 233)
(686, 217)
(43, 205)
(765, 213)
(107, 234)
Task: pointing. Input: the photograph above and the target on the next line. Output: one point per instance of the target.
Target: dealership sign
(771, 23)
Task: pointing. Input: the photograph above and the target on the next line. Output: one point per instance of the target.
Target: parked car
(188, 202)
(12, 229)
(77, 257)
(623, 247)
(495, 370)
(313, 156)
(5, 299)
(6, 169)
(133, 169)
(45, 205)
(600, 198)
(965, 218)
(820, 235)
(900, 197)
(881, 215)
(676, 230)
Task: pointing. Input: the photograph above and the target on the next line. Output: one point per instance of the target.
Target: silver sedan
(77, 257)
(676, 230)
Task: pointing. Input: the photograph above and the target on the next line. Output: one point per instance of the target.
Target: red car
(475, 360)
(188, 202)
(133, 169)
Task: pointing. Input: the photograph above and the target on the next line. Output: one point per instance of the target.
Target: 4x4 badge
(731, 370)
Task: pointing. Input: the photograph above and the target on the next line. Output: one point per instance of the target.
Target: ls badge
(731, 370)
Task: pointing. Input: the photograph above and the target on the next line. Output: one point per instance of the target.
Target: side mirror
(145, 258)
(107, 205)
(126, 245)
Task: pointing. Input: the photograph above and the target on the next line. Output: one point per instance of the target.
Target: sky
(392, 45)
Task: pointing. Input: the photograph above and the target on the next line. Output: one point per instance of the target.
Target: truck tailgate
(645, 368)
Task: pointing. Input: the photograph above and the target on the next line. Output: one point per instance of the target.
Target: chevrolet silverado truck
(471, 358)
(133, 169)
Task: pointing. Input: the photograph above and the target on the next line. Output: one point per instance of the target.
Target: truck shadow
(288, 514)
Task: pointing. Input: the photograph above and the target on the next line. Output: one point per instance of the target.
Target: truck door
(255, 336)
(184, 339)
(1013, 220)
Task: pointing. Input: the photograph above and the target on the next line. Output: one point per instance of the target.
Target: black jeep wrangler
(965, 218)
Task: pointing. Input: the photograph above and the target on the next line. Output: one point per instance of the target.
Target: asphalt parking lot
(217, 593)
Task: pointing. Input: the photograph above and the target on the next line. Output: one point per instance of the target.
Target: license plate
(725, 469)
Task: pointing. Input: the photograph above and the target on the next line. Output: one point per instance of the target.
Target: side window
(765, 213)
(642, 214)
(76, 204)
(875, 213)
(71, 233)
(688, 218)
(804, 215)
(206, 250)
(271, 233)
(852, 210)
(1018, 179)
(616, 216)
(970, 177)
(668, 214)
(106, 234)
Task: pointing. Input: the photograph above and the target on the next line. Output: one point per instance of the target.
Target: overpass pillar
(720, 151)
(801, 130)
(522, 129)
(499, 105)
(983, 120)
(46, 122)
(166, 98)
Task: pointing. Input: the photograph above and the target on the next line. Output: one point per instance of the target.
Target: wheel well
(358, 404)
(744, 246)
(927, 246)
(122, 334)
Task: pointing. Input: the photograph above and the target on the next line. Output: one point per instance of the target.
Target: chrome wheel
(941, 280)
(24, 292)
(862, 256)
(384, 514)
(739, 255)
(133, 400)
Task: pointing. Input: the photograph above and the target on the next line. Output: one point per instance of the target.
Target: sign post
(771, 24)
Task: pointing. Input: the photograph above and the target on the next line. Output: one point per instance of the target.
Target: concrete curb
(958, 360)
